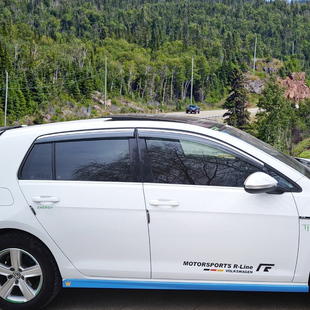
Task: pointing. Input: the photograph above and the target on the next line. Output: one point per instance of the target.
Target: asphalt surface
(216, 115)
(98, 299)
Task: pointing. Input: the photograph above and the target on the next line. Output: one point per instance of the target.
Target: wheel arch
(64, 265)
(4, 231)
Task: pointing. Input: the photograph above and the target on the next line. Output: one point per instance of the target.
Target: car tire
(29, 276)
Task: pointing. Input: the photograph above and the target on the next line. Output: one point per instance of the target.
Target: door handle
(164, 203)
(45, 200)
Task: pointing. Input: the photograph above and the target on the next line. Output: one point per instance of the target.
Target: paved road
(214, 114)
(99, 299)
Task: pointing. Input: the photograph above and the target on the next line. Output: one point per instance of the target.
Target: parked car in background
(148, 202)
(193, 109)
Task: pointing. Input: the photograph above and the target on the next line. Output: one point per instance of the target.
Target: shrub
(301, 147)
(305, 154)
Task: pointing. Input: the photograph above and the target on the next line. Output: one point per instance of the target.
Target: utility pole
(171, 86)
(254, 56)
(6, 95)
(293, 47)
(105, 83)
(192, 80)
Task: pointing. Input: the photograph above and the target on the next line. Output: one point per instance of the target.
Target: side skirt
(132, 284)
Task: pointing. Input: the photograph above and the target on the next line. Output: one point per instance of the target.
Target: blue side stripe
(121, 284)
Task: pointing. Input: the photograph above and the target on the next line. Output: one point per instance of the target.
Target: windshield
(290, 161)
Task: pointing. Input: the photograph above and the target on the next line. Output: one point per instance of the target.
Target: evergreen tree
(35, 89)
(73, 90)
(26, 93)
(276, 119)
(5, 62)
(238, 115)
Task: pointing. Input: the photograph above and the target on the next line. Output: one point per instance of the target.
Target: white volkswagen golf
(148, 202)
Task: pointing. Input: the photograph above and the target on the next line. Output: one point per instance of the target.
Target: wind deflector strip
(3, 129)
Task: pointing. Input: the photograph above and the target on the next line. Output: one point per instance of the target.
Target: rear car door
(203, 225)
(87, 194)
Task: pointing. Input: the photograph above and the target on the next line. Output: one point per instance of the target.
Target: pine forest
(62, 56)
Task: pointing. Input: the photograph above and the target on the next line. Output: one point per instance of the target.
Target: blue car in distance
(193, 109)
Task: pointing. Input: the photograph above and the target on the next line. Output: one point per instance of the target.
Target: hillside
(56, 53)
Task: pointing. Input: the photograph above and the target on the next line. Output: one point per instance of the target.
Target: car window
(85, 160)
(187, 162)
(38, 165)
(97, 160)
(288, 160)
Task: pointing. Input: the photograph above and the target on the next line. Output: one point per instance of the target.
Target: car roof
(97, 123)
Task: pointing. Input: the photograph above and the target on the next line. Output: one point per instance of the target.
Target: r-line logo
(264, 267)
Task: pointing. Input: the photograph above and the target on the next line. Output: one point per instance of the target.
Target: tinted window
(97, 160)
(38, 165)
(282, 182)
(186, 162)
(81, 160)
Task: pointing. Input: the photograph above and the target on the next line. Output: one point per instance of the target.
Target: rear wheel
(29, 277)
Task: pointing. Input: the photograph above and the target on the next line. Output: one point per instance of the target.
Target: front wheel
(29, 277)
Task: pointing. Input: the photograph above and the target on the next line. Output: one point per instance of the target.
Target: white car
(148, 202)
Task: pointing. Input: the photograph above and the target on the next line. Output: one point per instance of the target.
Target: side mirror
(260, 182)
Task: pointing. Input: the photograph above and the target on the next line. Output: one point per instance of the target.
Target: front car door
(203, 225)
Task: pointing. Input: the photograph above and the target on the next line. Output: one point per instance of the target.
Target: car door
(203, 225)
(85, 190)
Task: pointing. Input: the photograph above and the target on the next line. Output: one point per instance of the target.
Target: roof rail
(193, 120)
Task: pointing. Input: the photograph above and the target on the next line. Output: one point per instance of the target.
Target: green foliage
(53, 50)
(301, 148)
(291, 64)
(115, 102)
(74, 90)
(277, 118)
(238, 115)
(305, 154)
(260, 74)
